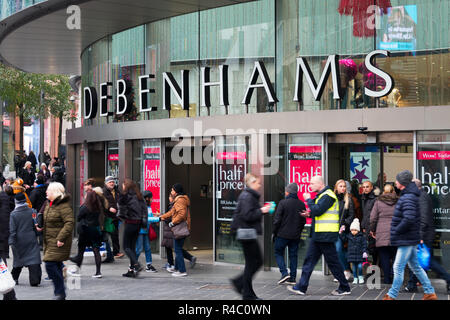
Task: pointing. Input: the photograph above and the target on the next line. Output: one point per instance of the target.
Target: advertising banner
(113, 163)
(231, 169)
(152, 175)
(305, 162)
(364, 166)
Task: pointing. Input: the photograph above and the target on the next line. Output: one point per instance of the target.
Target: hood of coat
(254, 193)
(388, 198)
(183, 199)
(411, 188)
(61, 200)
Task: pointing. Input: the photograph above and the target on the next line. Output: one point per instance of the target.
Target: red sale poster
(305, 162)
(152, 175)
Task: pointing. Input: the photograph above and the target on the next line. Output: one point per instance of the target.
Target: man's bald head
(317, 183)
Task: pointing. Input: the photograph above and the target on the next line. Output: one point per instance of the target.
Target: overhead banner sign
(305, 162)
(152, 175)
(434, 171)
(231, 169)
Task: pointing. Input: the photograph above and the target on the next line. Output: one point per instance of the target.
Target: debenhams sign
(123, 87)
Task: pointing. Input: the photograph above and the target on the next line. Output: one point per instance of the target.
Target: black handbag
(180, 230)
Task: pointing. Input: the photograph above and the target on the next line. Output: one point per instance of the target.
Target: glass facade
(10, 7)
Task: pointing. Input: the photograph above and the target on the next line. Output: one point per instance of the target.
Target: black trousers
(130, 235)
(253, 261)
(169, 253)
(387, 258)
(34, 272)
(115, 238)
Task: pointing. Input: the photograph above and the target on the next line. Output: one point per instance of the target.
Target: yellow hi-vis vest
(329, 221)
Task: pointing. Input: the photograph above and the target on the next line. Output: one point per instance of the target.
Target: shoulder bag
(7, 282)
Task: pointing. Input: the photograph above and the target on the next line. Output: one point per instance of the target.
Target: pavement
(205, 281)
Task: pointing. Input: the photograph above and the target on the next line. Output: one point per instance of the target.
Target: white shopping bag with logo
(7, 282)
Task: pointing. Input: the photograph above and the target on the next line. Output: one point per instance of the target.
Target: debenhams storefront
(282, 88)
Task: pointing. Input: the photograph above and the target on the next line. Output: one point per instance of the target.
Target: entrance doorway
(361, 157)
(197, 181)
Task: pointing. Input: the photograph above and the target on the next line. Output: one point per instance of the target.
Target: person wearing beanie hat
(111, 194)
(18, 188)
(404, 178)
(405, 235)
(287, 227)
(356, 249)
(109, 179)
(178, 188)
(23, 242)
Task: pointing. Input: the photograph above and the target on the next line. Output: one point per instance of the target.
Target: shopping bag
(152, 233)
(7, 282)
(180, 230)
(109, 225)
(423, 255)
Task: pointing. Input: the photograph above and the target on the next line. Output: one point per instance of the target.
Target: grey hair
(57, 188)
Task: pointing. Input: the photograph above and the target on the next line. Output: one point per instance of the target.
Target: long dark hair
(91, 202)
(131, 185)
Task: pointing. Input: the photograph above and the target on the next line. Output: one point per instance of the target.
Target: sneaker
(355, 281)
(290, 281)
(193, 262)
(179, 274)
(348, 275)
(361, 279)
(130, 274)
(339, 292)
(430, 296)
(296, 291)
(283, 279)
(119, 255)
(387, 297)
(97, 275)
(335, 280)
(138, 268)
(170, 269)
(110, 260)
(74, 272)
(150, 268)
(47, 279)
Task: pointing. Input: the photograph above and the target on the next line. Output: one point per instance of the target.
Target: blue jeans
(179, 259)
(357, 269)
(315, 250)
(55, 273)
(342, 254)
(408, 255)
(143, 240)
(280, 246)
(434, 266)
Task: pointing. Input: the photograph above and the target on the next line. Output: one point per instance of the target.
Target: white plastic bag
(7, 282)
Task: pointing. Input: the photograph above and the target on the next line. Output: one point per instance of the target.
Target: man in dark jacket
(427, 234)
(287, 228)
(38, 197)
(6, 207)
(324, 210)
(405, 235)
(111, 193)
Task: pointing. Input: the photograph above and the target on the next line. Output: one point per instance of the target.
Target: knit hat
(178, 188)
(292, 188)
(355, 225)
(20, 197)
(109, 179)
(147, 194)
(404, 178)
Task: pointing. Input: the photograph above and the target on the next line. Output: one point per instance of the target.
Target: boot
(130, 274)
(430, 296)
(387, 297)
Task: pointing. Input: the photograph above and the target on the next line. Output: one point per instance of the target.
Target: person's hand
(26, 186)
(372, 235)
(37, 228)
(365, 255)
(265, 209)
(342, 229)
(157, 214)
(59, 243)
(305, 214)
(421, 241)
(112, 210)
(306, 196)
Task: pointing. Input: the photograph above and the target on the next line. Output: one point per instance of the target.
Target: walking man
(405, 235)
(111, 193)
(324, 210)
(287, 228)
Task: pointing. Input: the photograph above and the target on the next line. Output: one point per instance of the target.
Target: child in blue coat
(356, 249)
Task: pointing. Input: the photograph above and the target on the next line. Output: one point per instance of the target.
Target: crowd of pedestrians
(348, 230)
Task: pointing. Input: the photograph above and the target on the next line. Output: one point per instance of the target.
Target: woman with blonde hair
(380, 229)
(346, 215)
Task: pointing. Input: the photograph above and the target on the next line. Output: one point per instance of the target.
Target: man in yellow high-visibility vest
(324, 211)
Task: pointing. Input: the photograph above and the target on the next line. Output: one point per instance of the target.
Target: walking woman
(133, 212)
(380, 229)
(89, 232)
(57, 231)
(247, 217)
(178, 213)
(346, 215)
(23, 241)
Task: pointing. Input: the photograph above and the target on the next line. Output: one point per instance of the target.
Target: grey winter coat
(22, 237)
(381, 218)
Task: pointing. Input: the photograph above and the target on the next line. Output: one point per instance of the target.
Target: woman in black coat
(89, 233)
(23, 240)
(248, 215)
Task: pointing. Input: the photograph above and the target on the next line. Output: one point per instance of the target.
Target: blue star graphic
(364, 162)
(353, 165)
